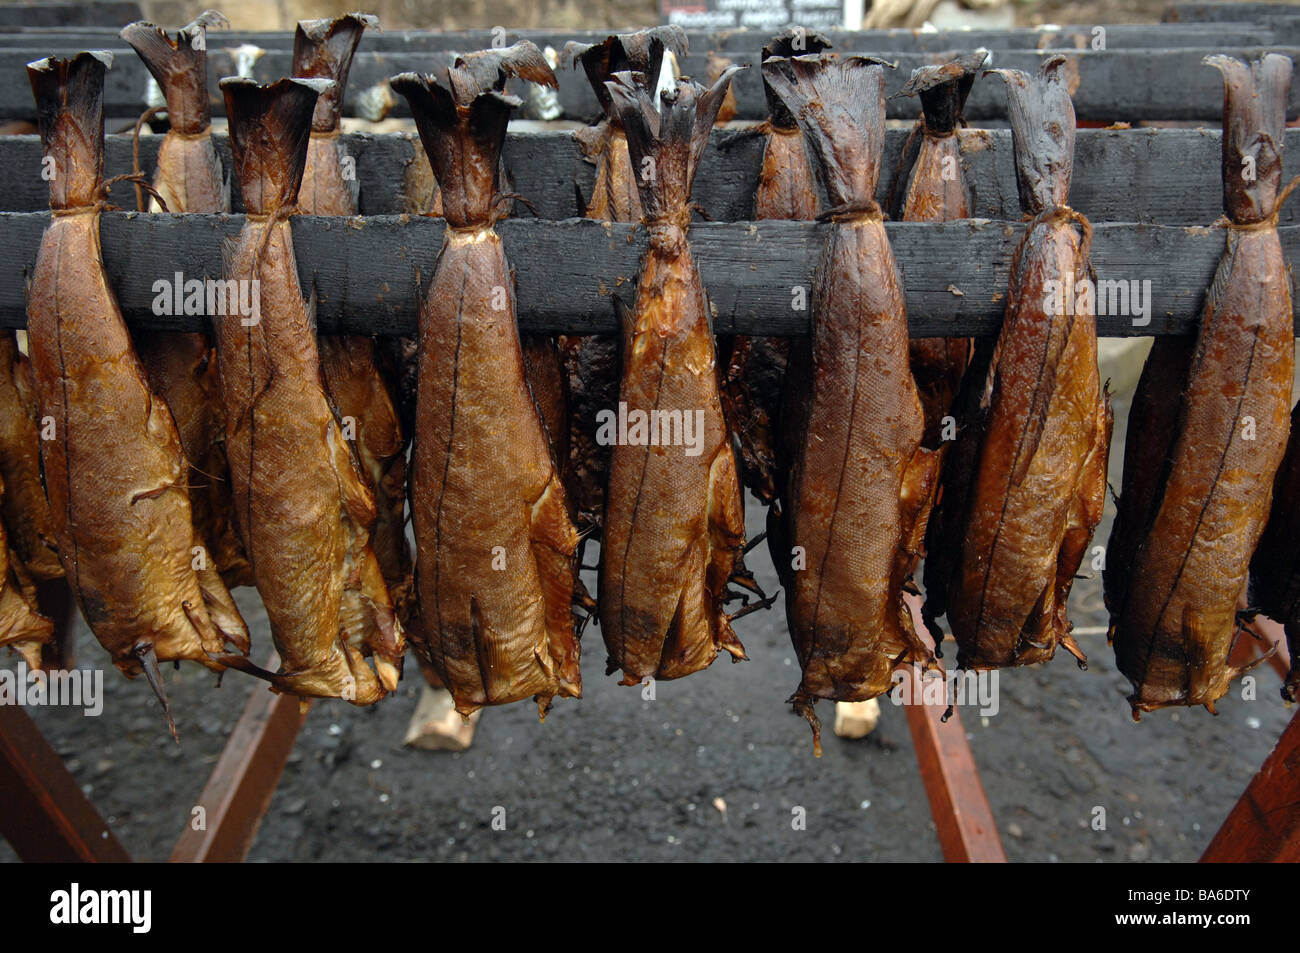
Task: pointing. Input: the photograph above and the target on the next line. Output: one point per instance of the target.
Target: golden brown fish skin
(1153, 422)
(674, 522)
(591, 362)
(1030, 497)
(181, 368)
(755, 366)
(1175, 627)
(115, 473)
(937, 191)
(1003, 609)
(303, 507)
(26, 510)
(859, 486)
(22, 627)
(1275, 567)
(362, 398)
(496, 566)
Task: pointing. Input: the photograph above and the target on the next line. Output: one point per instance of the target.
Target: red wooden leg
(1265, 823)
(241, 785)
(43, 812)
(967, 831)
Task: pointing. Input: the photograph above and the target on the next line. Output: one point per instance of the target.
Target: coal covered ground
(714, 768)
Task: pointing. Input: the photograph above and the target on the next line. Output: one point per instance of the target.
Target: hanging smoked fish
(936, 191)
(115, 473)
(1275, 568)
(674, 519)
(591, 361)
(301, 500)
(859, 487)
(26, 510)
(22, 628)
(182, 368)
(364, 400)
(1174, 617)
(755, 366)
(1026, 482)
(495, 547)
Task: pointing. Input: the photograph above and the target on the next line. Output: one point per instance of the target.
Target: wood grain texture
(1120, 83)
(368, 272)
(1167, 176)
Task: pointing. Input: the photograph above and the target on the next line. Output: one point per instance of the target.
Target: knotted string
(135, 153)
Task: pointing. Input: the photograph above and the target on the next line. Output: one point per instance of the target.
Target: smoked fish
(115, 472)
(674, 519)
(22, 627)
(301, 500)
(1203, 495)
(591, 362)
(26, 511)
(363, 397)
(495, 547)
(858, 485)
(755, 366)
(936, 191)
(181, 367)
(1275, 567)
(1025, 485)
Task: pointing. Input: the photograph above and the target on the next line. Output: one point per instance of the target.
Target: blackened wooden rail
(54, 13)
(1166, 176)
(368, 272)
(1127, 84)
(1243, 31)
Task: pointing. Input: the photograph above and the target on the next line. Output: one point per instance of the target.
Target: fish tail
(1254, 133)
(70, 106)
(666, 135)
(1042, 133)
(464, 148)
(323, 49)
(179, 63)
(639, 52)
(270, 129)
(839, 105)
(943, 89)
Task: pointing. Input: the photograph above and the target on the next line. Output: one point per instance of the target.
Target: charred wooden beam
(1165, 176)
(960, 808)
(46, 15)
(368, 272)
(242, 783)
(1264, 825)
(1239, 31)
(46, 817)
(1126, 84)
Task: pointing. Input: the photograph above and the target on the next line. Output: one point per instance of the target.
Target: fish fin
(148, 659)
(626, 317)
(804, 705)
(311, 308)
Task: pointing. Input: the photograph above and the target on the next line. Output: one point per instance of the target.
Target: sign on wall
(765, 15)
